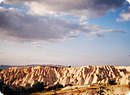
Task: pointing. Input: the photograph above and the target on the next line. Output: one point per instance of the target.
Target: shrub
(129, 78)
(0, 70)
(129, 84)
(112, 82)
(100, 92)
(13, 90)
(55, 87)
(37, 87)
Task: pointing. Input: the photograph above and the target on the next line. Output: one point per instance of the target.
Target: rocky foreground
(50, 75)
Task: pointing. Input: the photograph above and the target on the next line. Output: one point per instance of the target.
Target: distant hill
(4, 67)
(31, 65)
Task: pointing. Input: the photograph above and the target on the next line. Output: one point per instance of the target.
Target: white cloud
(125, 15)
(17, 25)
(38, 9)
(89, 8)
(1, 1)
(25, 26)
(128, 1)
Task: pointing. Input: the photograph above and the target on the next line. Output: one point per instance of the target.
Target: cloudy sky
(65, 32)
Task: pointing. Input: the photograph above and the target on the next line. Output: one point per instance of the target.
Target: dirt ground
(85, 90)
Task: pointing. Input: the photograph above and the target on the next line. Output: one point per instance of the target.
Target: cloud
(99, 35)
(17, 25)
(125, 15)
(128, 1)
(89, 8)
(1, 1)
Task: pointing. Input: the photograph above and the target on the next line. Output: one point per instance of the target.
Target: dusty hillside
(23, 76)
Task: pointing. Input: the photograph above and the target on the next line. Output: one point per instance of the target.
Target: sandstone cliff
(23, 76)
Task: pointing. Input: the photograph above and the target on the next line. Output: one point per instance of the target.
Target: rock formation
(50, 75)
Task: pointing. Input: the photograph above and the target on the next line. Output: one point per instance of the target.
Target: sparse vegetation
(55, 87)
(69, 66)
(69, 85)
(129, 85)
(0, 70)
(13, 90)
(129, 78)
(112, 82)
(37, 87)
(85, 90)
(100, 92)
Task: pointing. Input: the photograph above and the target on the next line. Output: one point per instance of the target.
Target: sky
(65, 32)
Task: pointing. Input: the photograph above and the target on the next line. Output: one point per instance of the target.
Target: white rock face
(22, 76)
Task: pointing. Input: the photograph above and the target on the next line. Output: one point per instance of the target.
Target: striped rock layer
(50, 75)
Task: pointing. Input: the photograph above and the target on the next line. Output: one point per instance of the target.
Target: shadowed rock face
(25, 76)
